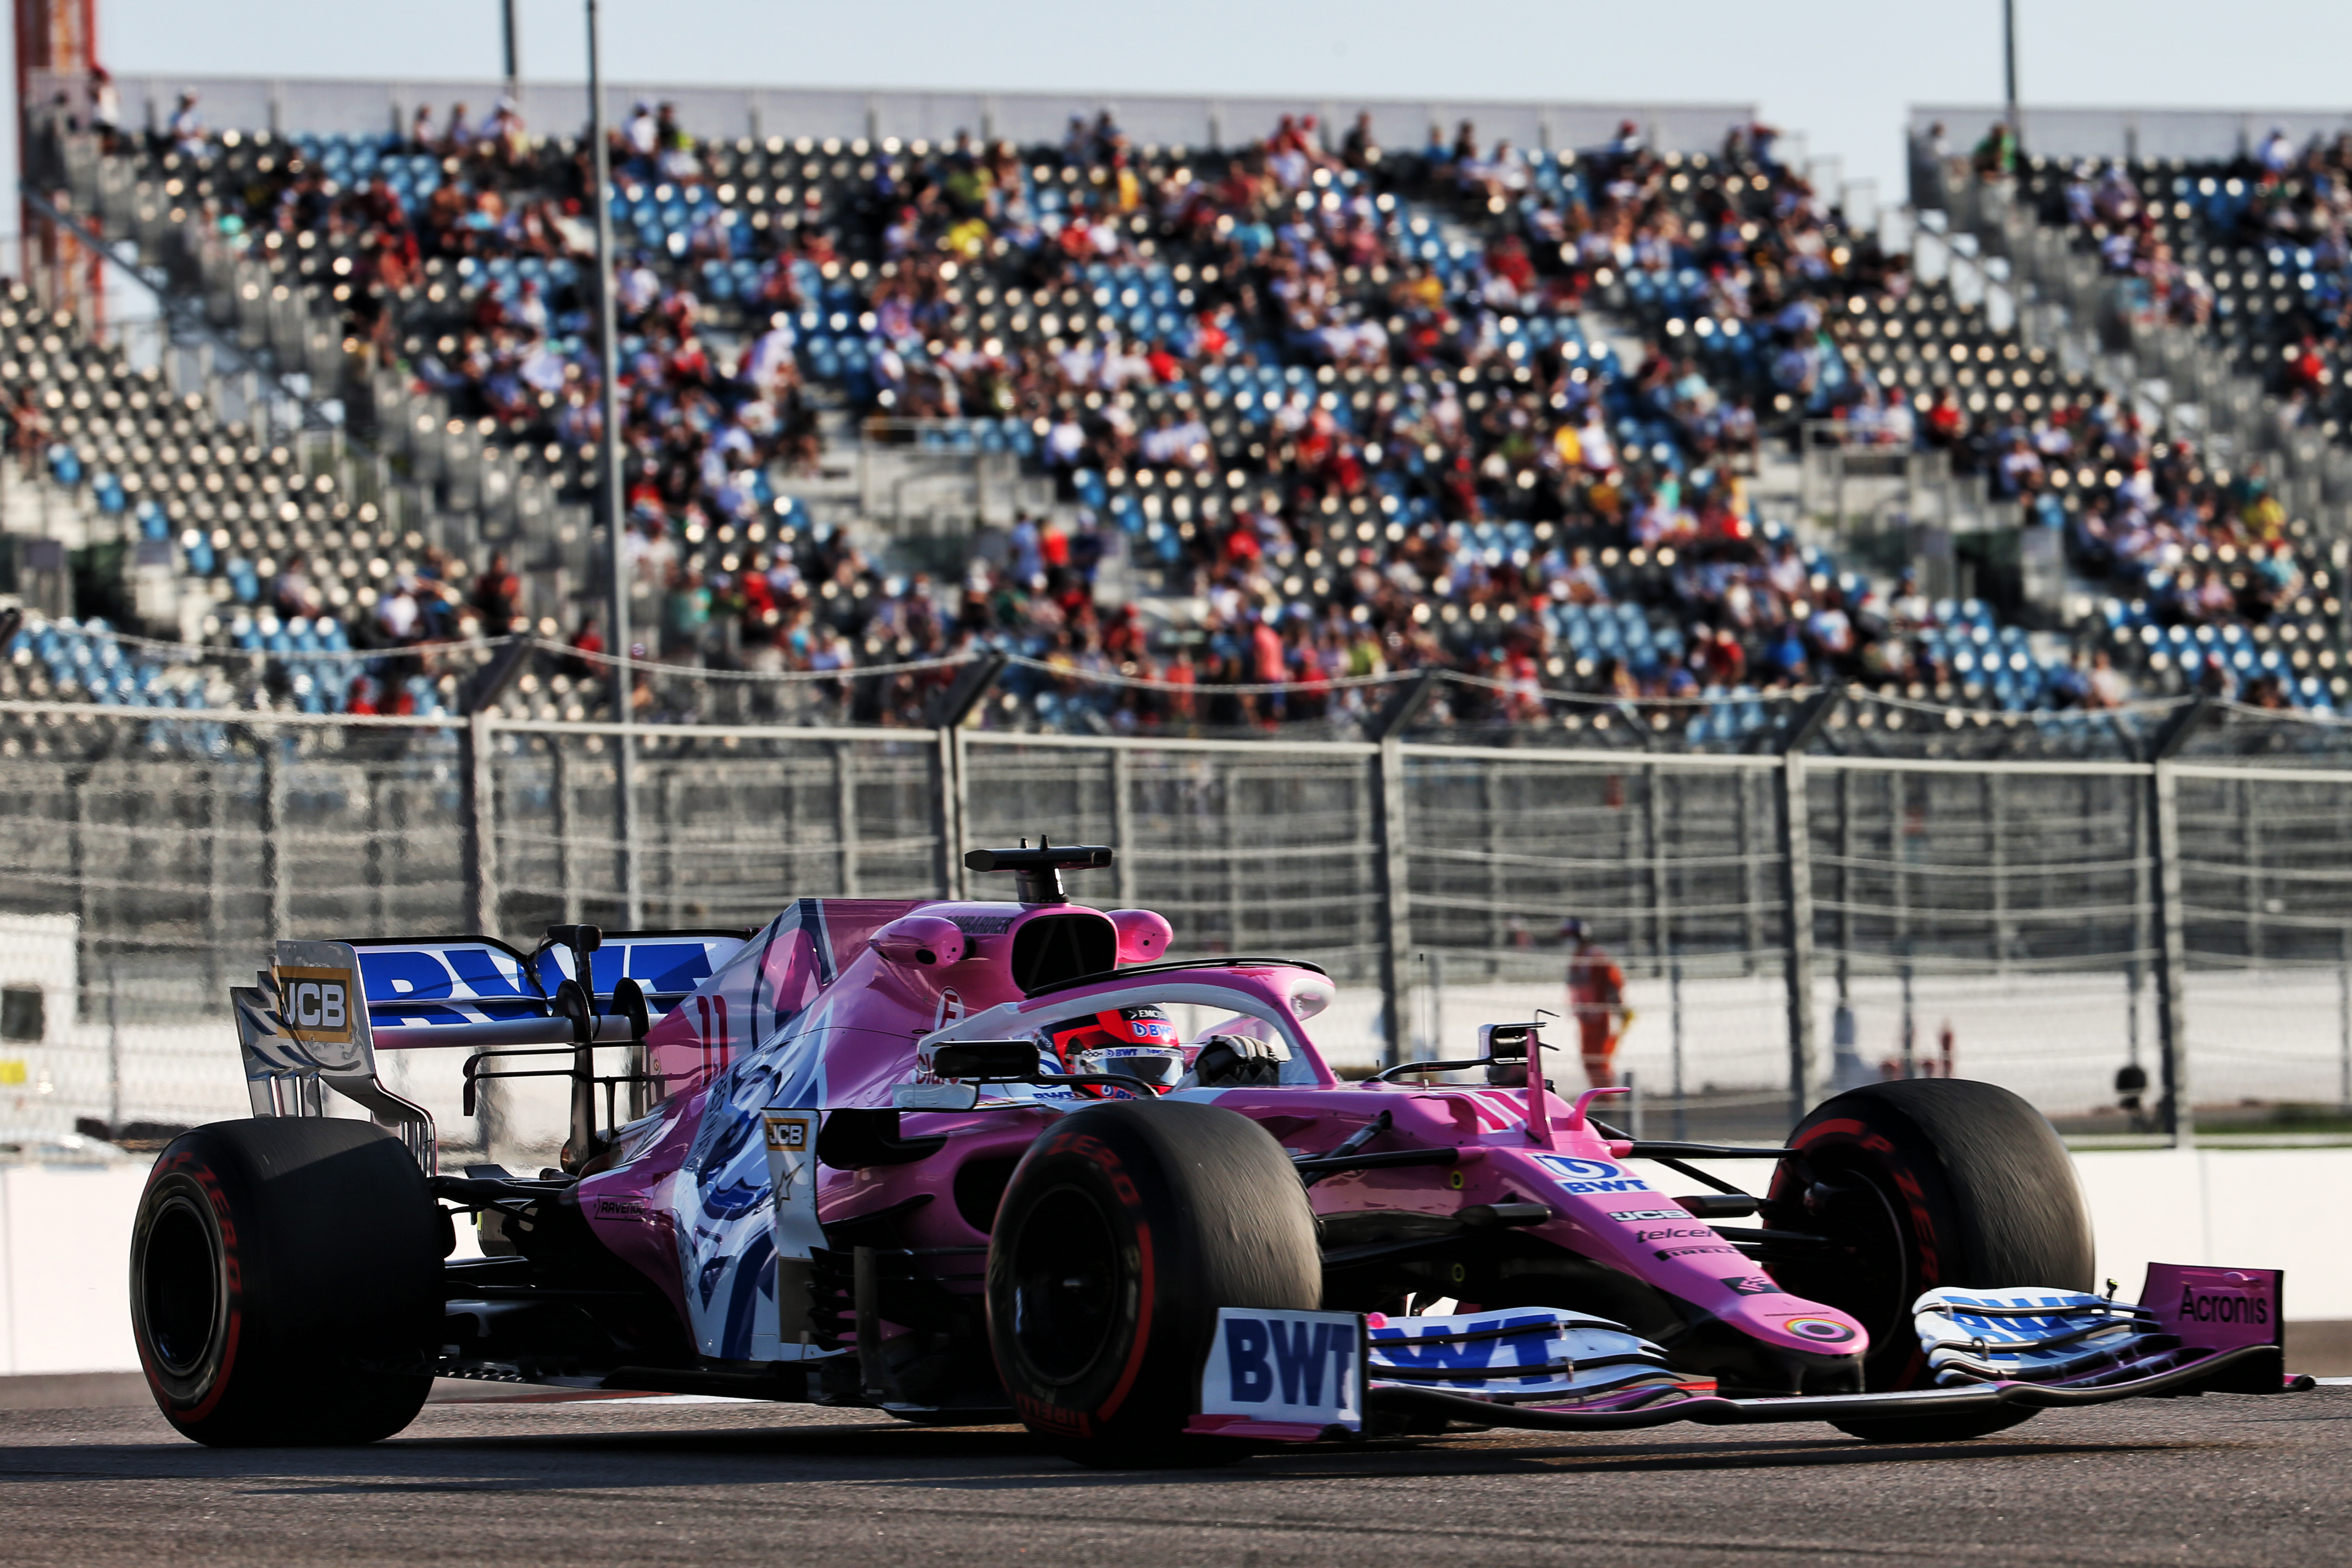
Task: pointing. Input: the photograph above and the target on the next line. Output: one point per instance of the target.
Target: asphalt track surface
(2219, 1480)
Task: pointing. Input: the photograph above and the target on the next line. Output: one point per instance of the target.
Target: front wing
(1301, 1376)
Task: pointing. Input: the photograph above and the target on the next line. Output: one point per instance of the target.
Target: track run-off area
(2217, 1480)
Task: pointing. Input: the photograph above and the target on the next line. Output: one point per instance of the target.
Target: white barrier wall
(65, 1243)
(65, 1239)
(2253, 1208)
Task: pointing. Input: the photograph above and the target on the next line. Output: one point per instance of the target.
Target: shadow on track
(967, 1459)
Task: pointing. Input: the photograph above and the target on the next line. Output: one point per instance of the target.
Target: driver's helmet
(1137, 1041)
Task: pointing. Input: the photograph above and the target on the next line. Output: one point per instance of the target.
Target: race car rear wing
(315, 1019)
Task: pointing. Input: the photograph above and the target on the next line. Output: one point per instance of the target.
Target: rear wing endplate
(315, 1019)
(303, 1029)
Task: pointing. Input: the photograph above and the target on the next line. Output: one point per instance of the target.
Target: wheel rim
(1875, 1288)
(1068, 1279)
(181, 1291)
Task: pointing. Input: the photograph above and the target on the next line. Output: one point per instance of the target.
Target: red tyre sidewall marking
(232, 1284)
(1089, 1147)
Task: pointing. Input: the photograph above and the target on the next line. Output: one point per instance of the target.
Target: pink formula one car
(955, 1161)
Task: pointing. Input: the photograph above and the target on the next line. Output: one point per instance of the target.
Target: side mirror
(1506, 1042)
(1506, 1048)
(1143, 936)
(1013, 1061)
(921, 942)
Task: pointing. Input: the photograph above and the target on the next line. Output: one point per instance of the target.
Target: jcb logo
(788, 1134)
(316, 1004)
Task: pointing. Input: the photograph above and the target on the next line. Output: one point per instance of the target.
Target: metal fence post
(1675, 1017)
(1490, 829)
(379, 877)
(478, 744)
(1653, 814)
(2136, 977)
(1845, 888)
(2250, 855)
(77, 863)
(113, 1046)
(275, 844)
(2179, 1121)
(217, 897)
(1236, 914)
(2171, 952)
(844, 816)
(1122, 829)
(560, 788)
(1797, 892)
(1391, 880)
(2344, 1018)
(624, 784)
(1996, 802)
(481, 845)
(1392, 858)
(945, 712)
(1751, 888)
(952, 811)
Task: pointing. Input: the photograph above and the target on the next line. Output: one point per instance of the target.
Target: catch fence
(1818, 894)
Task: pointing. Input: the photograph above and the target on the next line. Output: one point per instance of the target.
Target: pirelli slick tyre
(1923, 1184)
(285, 1275)
(1123, 1231)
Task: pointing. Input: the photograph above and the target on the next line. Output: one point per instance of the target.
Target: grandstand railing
(362, 107)
(2128, 132)
(2065, 895)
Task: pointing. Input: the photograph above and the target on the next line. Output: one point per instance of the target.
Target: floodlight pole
(2009, 72)
(608, 489)
(514, 55)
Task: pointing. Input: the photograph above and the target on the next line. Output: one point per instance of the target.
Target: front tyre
(1926, 1183)
(1121, 1233)
(284, 1279)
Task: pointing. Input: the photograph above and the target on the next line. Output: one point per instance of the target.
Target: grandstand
(1302, 409)
(1320, 408)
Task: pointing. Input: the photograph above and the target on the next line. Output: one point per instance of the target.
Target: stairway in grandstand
(2162, 273)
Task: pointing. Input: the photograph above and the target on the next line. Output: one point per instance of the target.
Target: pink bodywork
(847, 1020)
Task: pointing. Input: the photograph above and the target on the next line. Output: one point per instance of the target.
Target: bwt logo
(1583, 1176)
(1269, 1361)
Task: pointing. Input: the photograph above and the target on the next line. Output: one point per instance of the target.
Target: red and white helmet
(1139, 1041)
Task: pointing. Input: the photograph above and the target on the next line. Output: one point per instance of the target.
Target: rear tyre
(285, 1282)
(1928, 1182)
(1121, 1233)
